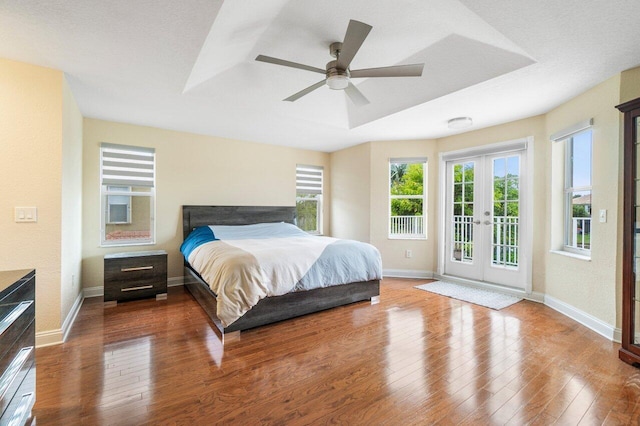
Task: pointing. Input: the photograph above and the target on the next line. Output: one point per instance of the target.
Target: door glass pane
(462, 217)
(506, 215)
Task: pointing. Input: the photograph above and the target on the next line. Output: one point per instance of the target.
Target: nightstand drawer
(129, 276)
(136, 268)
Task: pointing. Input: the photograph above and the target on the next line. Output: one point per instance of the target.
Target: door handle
(487, 222)
(477, 222)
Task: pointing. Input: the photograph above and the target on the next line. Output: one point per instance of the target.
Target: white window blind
(571, 130)
(127, 165)
(308, 180)
(408, 160)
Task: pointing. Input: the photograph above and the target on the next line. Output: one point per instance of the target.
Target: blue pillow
(199, 236)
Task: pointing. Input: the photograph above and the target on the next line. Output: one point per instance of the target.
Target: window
(577, 192)
(118, 206)
(127, 194)
(309, 198)
(571, 190)
(407, 200)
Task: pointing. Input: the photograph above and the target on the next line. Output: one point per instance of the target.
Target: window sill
(407, 237)
(127, 244)
(573, 255)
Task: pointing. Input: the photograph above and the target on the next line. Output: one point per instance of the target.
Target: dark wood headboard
(194, 216)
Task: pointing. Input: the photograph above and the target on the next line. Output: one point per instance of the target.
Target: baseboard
(58, 336)
(175, 281)
(71, 316)
(588, 320)
(533, 296)
(97, 291)
(407, 273)
(49, 338)
(617, 335)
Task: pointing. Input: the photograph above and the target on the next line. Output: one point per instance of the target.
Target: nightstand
(135, 275)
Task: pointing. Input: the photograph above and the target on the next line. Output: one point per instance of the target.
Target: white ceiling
(190, 65)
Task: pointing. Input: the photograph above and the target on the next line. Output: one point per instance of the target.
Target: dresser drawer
(17, 345)
(135, 276)
(13, 376)
(18, 409)
(24, 290)
(17, 317)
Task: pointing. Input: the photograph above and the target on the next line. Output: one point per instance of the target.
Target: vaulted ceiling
(190, 65)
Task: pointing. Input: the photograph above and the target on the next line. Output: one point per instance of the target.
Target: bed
(273, 308)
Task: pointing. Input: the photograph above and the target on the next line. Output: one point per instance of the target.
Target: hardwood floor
(416, 358)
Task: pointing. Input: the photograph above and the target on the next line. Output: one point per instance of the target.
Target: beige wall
(351, 193)
(393, 250)
(591, 285)
(33, 101)
(191, 169)
(71, 215)
(360, 201)
(630, 85)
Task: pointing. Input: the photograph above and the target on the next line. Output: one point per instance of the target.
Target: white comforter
(243, 271)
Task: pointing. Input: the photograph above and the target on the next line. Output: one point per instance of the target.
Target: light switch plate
(26, 214)
(603, 216)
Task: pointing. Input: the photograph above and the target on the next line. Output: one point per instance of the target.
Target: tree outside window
(407, 198)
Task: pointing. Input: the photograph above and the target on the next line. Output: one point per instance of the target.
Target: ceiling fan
(337, 73)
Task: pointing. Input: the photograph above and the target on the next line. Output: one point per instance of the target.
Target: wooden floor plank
(415, 358)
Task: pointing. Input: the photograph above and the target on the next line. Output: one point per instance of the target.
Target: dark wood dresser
(17, 346)
(135, 275)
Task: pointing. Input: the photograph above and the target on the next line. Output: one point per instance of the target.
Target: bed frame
(270, 309)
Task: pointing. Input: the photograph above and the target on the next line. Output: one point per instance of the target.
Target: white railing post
(407, 225)
(583, 223)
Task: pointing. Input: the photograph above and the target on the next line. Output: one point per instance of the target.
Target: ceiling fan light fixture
(460, 122)
(338, 82)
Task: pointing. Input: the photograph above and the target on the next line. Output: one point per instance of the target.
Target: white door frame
(494, 148)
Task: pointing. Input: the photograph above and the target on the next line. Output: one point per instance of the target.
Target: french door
(484, 213)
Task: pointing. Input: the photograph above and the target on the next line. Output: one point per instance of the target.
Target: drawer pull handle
(13, 370)
(142, 287)
(14, 315)
(137, 268)
(24, 409)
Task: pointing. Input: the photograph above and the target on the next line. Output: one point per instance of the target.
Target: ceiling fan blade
(356, 95)
(413, 70)
(282, 62)
(357, 32)
(306, 91)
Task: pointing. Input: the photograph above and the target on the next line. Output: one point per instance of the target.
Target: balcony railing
(506, 247)
(581, 232)
(407, 226)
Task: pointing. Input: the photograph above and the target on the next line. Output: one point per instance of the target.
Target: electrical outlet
(408, 254)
